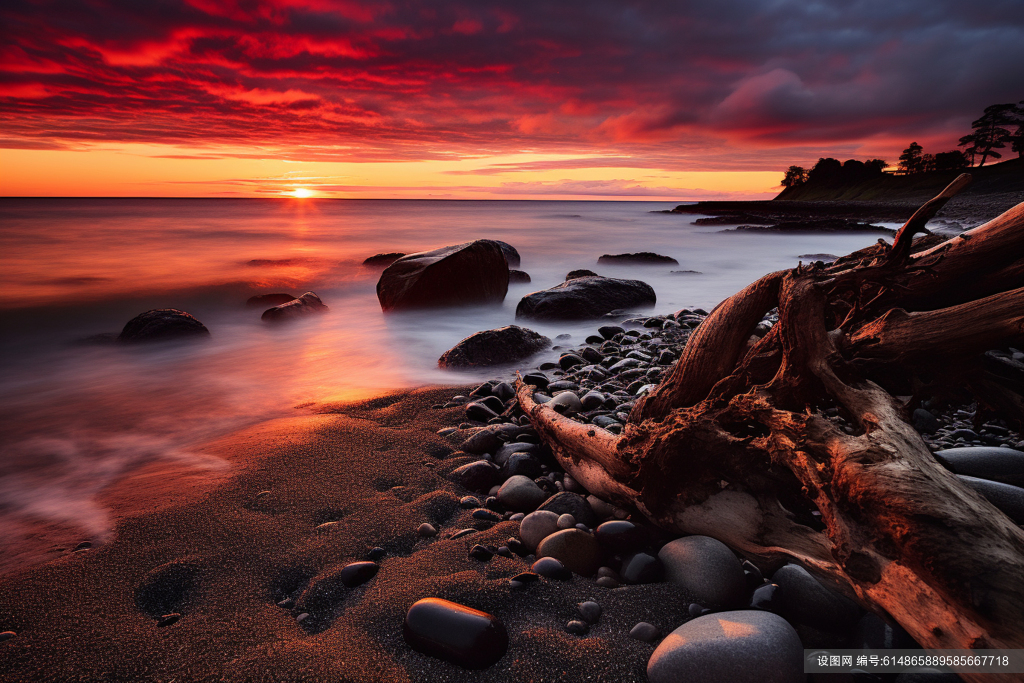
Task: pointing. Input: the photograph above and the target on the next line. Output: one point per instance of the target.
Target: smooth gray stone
(521, 494)
(1009, 499)
(645, 632)
(803, 599)
(745, 646)
(537, 526)
(567, 403)
(707, 569)
(1004, 465)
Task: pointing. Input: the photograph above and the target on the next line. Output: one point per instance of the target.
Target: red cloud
(401, 79)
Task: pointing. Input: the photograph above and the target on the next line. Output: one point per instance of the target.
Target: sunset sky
(480, 100)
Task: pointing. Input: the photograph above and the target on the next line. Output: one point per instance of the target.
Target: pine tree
(990, 133)
(911, 160)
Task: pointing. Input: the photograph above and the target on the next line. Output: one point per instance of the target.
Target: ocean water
(76, 416)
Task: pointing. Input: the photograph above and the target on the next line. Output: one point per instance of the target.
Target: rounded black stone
(376, 554)
(455, 633)
(551, 568)
(516, 546)
(642, 568)
(537, 379)
(482, 553)
(486, 515)
(358, 573)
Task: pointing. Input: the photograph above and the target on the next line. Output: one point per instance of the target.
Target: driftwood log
(742, 441)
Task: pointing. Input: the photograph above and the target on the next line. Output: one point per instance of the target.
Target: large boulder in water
(304, 305)
(160, 324)
(585, 297)
(470, 273)
(494, 347)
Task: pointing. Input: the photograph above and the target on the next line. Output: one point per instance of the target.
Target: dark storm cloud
(415, 80)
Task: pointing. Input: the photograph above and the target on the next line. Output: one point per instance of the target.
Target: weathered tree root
(735, 442)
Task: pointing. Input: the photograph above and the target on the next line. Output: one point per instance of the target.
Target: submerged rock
(581, 272)
(494, 347)
(585, 297)
(518, 277)
(161, 324)
(455, 633)
(304, 305)
(640, 258)
(463, 274)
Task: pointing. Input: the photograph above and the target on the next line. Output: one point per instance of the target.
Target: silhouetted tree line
(990, 133)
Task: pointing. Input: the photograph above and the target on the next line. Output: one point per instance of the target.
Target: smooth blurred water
(75, 417)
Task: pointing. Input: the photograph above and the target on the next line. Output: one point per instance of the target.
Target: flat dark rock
(267, 300)
(383, 260)
(639, 258)
(455, 633)
(296, 308)
(815, 225)
(734, 219)
(161, 324)
(458, 275)
(585, 297)
(494, 347)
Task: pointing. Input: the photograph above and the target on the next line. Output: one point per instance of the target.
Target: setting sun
(301, 193)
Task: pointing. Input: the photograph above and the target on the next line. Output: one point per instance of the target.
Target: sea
(76, 415)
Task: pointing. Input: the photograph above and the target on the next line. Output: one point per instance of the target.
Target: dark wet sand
(378, 468)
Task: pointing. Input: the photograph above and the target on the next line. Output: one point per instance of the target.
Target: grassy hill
(1007, 176)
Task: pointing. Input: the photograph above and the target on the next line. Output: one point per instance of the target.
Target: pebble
(566, 403)
(551, 568)
(729, 647)
(607, 582)
(576, 549)
(485, 515)
(463, 532)
(517, 546)
(482, 553)
(455, 633)
(566, 521)
(537, 526)
(644, 632)
(707, 569)
(517, 517)
(573, 504)
(526, 577)
(577, 628)
(287, 603)
(642, 568)
(469, 502)
(590, 611)
(476, 476)
(376, 554)
(301, 618)
(521, 494)
(7, 635)
(426, 530)
(358, 573)
(764, 598)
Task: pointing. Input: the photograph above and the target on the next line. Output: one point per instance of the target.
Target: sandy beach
(377, 468)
